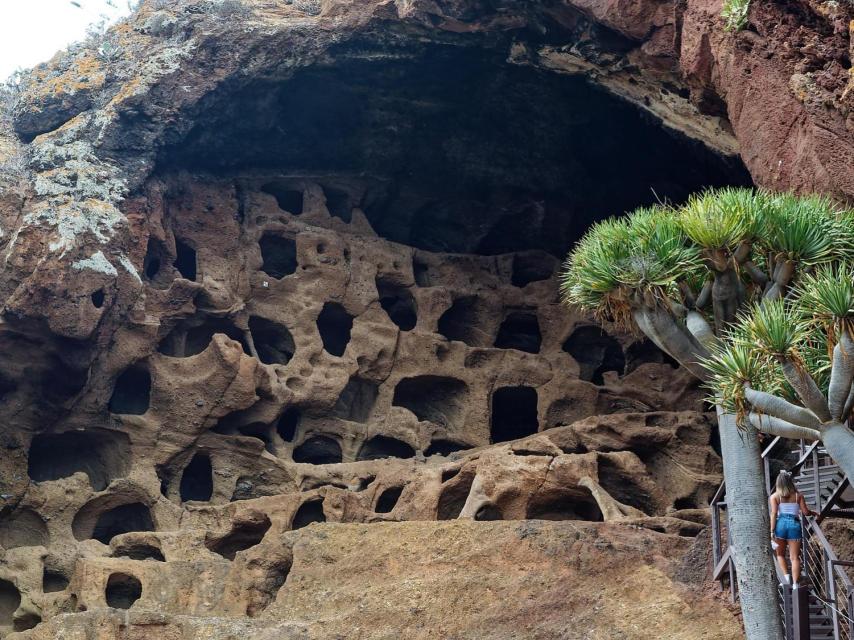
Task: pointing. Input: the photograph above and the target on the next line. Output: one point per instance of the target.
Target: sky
(31, 31)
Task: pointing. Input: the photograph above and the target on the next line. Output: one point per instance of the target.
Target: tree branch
(776, 427)
(672, 337)
(806, 388)
(779, 408)
(841, 375)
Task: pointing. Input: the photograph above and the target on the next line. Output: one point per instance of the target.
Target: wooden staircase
(823, 606)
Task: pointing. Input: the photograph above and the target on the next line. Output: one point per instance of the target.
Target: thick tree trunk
(839, 442)
(749, 529)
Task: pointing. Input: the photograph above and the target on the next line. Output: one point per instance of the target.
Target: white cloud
(31, 31)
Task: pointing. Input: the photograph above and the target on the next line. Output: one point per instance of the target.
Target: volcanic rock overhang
(464, 150)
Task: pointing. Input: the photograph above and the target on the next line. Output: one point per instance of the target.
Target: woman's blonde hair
(785, 486)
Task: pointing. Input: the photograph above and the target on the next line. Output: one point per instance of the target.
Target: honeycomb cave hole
(191, 338)
(273, 341)
(622, 485)
(23, 528)
(520, 330)
(514, 413)
(10, 600)
(122, 590)
(531, 267)
(197, 479)
(453, 497)
(643, 352)
(243, 536)
(467, 320)
(102, 455)
(384, 447)
(139, 551)
(287, 424)
(388, 500)
(563, 507)
(334, 325)
(97, 298)
(185, 260)
(437, 399)
(398, 303)
(442, 447)
(356, 401)
(595, 352)
(338, 203)
(279, 255)
(308, 512)
(318, 450)
(53, 581)
(489, 512)
(132, 392)
(93, 521)
(290, 200)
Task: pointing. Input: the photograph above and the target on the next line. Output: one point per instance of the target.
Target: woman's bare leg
(795, 557)
(780, 552)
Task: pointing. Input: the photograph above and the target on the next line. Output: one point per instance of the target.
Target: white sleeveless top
(789, 509)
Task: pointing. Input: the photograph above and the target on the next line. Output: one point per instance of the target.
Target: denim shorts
(788, 528)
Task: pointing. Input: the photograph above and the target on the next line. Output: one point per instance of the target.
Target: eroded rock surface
(280, 298)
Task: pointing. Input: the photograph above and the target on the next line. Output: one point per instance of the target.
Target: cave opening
(10, 600)
(521, 331)
(453, 497)
(102, 455)
(563, 507)
(384, 447)
(242, 536)
(500, 167)
(122, 590)
(23, 528)
(139, 551)
(443, 447)
(398, 303)
(388, 500)
(468, 320)
(273, 341)
(192, 337)
(308, 512)
(318, 450)
(596, 352)
(531, 267)
(334, 325)
(103, 525)
(278, 255)
(488, 512)
(132, 391)
(338, 203)
(185, 260)
(644, 352)
(437, 399)
(622, 485)
(287, 424)
(197, 479)
(514, 413)
(53, 581)
(357, 400)
(289, 200)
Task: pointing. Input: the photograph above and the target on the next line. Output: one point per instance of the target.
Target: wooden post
(801, 613)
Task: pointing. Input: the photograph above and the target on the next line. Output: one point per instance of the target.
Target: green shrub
(734, 14)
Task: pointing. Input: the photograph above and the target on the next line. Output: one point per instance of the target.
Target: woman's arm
(804, 508)
(773, 501)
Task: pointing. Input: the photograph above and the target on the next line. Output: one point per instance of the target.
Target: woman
(787, 505)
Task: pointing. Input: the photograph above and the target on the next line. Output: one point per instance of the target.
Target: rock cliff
(281, 331)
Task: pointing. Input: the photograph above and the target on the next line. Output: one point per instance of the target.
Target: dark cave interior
(466, 153)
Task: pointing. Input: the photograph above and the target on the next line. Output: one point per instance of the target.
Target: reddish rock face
(276, 272)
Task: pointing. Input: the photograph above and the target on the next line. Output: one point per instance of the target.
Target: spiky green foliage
(724, 218)
(826, 295)
(620, 261)
(810, 230)
(775, 327)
